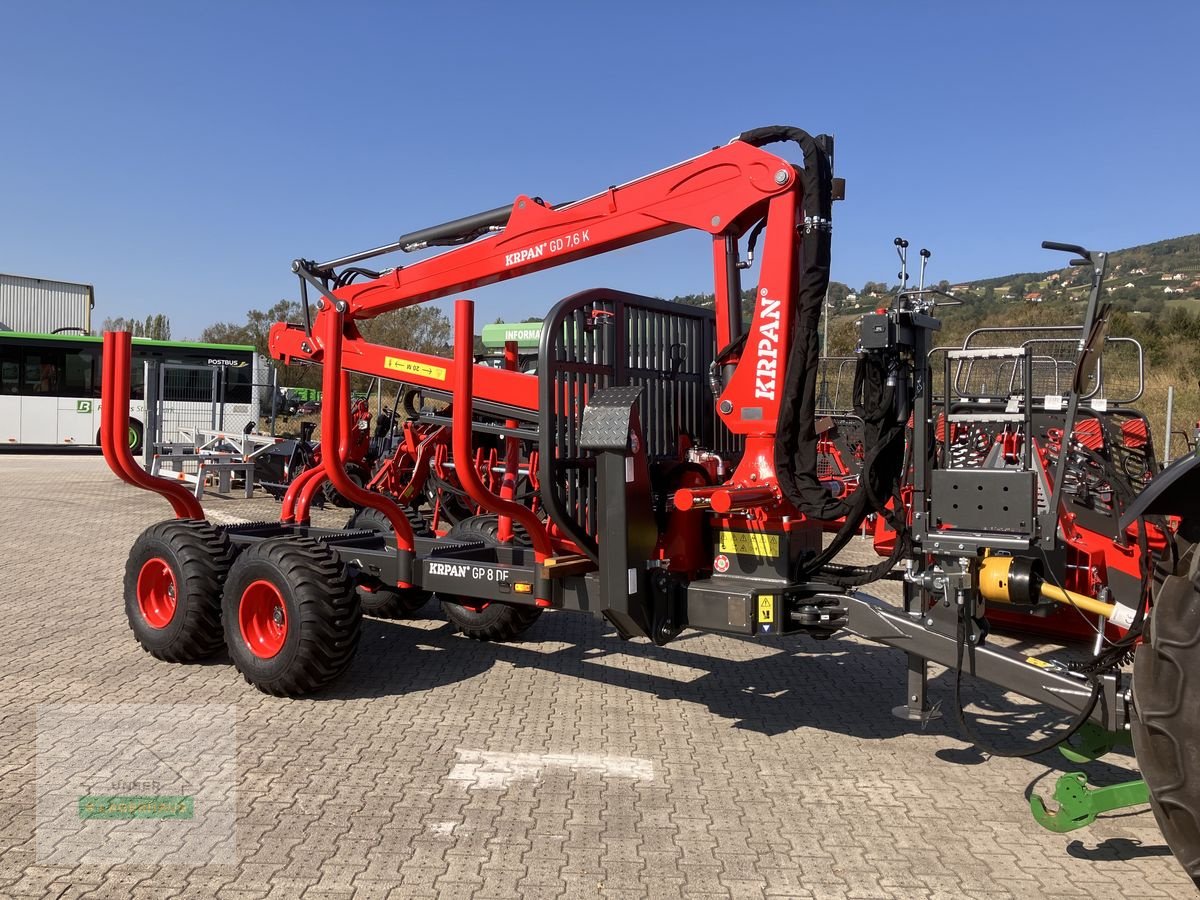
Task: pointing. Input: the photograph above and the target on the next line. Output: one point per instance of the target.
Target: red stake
(336, 425)
(114, 426)
(464, 366)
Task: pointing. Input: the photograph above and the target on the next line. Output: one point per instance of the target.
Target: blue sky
(180, 156)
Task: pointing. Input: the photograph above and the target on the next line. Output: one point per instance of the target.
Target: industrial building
(45, 306)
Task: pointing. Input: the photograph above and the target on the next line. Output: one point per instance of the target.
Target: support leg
(917, 708)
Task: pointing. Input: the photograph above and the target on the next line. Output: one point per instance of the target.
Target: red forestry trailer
(660, 469)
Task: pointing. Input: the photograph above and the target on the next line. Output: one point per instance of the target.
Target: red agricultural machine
(1111, 455)
(661, 470)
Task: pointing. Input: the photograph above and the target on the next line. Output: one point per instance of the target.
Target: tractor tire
(292, 616)
(173, 582)
(1166, 719)
(381, 600)
(482, 620)
(334, 497)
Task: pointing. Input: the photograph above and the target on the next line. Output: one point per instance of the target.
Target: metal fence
(1118, 379)
(184, 401)
(835, 385)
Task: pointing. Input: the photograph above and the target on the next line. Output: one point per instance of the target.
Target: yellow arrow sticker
(412, 367)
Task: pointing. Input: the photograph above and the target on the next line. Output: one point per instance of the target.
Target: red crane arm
(722, 192)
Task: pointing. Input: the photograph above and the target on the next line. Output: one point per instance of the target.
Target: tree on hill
(156, 327)
(422, 329)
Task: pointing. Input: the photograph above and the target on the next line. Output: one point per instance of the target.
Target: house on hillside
(1137, 272)
(1034, 296)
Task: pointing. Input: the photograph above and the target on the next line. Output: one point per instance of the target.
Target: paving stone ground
(570, 764)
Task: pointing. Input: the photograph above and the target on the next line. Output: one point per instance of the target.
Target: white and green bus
(50, 388)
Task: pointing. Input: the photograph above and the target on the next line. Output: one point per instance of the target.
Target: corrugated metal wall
(40, 305)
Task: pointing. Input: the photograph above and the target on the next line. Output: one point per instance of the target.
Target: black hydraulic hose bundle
(884, 465)
(796, 436)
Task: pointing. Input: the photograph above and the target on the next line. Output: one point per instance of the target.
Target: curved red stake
(114, 426)
(460, 436)
(288, 512)
(308, 493)
(335, 415)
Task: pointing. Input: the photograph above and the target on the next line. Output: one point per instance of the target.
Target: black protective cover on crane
(796, 435)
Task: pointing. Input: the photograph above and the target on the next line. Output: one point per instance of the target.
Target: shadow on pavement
(776, 685)
(1116, 849)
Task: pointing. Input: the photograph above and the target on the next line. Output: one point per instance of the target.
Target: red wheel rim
(157, 592)
(262, 618)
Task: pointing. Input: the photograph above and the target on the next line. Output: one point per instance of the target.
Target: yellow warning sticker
(1040, 663)
(766, 609)
(749, 543)
(412, 367)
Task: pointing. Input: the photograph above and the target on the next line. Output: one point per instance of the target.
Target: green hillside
(1154, 289)
(1148, 278)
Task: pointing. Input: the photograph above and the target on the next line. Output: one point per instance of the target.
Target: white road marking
(484, 769)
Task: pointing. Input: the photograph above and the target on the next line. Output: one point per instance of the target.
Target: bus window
(239, 383)
(188, 385)
(42, 372)
(79, 374)
(137, 380)
(10, 372)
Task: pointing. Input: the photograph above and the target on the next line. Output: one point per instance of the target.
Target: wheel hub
(262, 619)
(156, 592)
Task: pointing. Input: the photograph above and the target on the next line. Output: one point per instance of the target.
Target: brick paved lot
(571, 764)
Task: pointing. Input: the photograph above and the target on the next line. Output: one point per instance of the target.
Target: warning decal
(749, 543)
(412, 367)
(766, 609)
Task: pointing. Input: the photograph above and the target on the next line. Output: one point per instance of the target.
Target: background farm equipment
(287, 459)
(661, 469)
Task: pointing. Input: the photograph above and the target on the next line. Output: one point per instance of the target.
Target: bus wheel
(292, 616)
(1166, 720)
(136, 434)
(173, 589)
